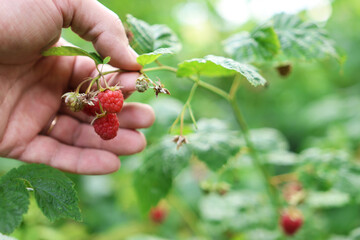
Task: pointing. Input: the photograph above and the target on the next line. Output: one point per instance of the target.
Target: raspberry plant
(279, 42)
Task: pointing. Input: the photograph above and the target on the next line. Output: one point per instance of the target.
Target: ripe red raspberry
(157, 214)
(111, 101)
(106, 127)
(291, 220)
(91, 110)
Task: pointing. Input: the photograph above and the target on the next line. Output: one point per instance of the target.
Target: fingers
(44, 149)
(133, 115)
(94, 22)
(70, 131)
(136, 115)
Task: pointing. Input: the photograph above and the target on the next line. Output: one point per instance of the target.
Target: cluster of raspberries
(106, 123)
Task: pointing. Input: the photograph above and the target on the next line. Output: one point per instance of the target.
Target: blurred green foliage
(315, 111)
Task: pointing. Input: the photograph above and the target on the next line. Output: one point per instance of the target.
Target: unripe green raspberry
(142, 84)
(74, 101)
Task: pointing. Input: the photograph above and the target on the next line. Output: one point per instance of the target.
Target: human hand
(31, 86)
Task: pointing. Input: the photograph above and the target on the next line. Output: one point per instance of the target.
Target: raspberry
(291, 220)
(111, 101)
(106, 127)
(91, 110)
(157, 214)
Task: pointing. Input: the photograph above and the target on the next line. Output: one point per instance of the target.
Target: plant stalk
(255, 156)
(163, 67)
(252, 150)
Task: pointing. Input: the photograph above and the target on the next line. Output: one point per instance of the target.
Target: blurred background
(317, 105)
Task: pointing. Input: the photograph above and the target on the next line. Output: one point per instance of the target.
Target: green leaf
(142, 39)
(268, 140)
(165, 38)
(14, 202)
(153, 179)
(54, 192)
(349, 182)
(327, 199)
(216, 66)
(4, 237)
(214, 145)
(281, 158)
(260, 45)
(106, 60)
(218, 208)
(152, 40)
(302, 40)
(147, 58)
(319, 169)
(72, 51)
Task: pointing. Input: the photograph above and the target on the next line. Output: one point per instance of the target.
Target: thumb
(94, 22)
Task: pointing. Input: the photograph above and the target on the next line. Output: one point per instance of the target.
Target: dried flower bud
(160, 89)
(180, 140)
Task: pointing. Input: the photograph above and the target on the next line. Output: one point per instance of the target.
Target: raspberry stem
(162, 67)
(92, 83)
(186, 106)
(101, 75)
(192, 116)
(79, 86)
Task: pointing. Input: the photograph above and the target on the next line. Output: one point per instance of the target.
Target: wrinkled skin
(31, 86)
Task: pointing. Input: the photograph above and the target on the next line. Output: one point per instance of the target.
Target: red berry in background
(158, 214)
(291, 221)
(111, 101)
(107, 126)
(91, 110)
